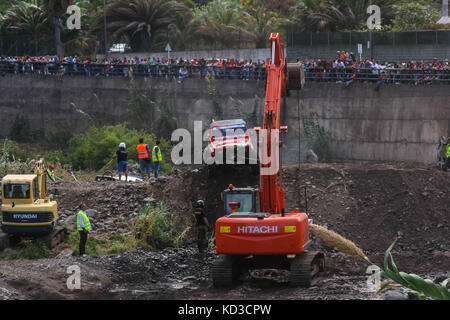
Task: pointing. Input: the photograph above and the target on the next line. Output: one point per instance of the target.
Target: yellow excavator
(27, 211)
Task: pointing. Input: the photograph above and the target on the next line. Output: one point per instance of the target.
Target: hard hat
(200, 203)
(51, 166)
(122, 145)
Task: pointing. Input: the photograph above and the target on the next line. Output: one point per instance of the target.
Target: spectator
(183, 73)
(122, 163)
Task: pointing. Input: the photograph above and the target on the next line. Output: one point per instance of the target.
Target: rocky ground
(371, 205)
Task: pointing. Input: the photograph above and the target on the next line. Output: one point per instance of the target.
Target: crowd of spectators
(149, 67)
(345, 68)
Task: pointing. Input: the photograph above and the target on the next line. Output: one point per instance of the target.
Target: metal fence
(392, 75)
(36, 46)
(297, 39)
(126, 70)
(181, 72)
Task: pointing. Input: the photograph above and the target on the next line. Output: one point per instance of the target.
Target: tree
(263, 22)
(26, 19)
(341, 15)
(223, 21)
(413, 15)
(140, 22)
(180, 32)
(55, 9)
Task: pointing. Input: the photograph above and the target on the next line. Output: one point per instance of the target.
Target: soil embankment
(371, 205)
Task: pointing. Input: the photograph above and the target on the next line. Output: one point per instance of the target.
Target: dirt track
(371, 205)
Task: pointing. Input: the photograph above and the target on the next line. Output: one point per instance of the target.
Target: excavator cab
(245, 198)
(24, 212)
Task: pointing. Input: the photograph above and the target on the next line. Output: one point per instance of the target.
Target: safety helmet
(51, 166)
(200, 204)
(122, 145)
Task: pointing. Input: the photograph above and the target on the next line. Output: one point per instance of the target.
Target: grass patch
(28, 249)
(157, 228)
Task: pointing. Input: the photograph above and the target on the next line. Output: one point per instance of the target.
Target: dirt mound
(115, 204)
(373, 205)
(370, 204)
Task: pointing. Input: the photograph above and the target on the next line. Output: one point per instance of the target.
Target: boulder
(311, 157)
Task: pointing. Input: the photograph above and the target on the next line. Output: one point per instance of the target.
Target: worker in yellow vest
(448, 153)
(51, 172)
(144, 158)
(83, 227)
(156, 157)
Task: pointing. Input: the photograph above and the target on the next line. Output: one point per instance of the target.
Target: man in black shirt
(122, 156)
(202, 226)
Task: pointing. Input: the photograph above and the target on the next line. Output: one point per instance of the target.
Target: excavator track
(305, 267)
(56, 237)
(225, 271)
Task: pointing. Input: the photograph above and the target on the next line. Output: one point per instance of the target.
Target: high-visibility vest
(448, 151)
(51, 174)
(87, 224)
(156, 156)
(142, 151)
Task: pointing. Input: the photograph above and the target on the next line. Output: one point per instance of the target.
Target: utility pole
(104, 24)
(445, 18)
(371, 39)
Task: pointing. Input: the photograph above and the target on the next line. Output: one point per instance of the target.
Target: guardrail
(391, 75)
(181, 72)
(125, 70)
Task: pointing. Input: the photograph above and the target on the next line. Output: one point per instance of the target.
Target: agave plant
(140, 22)
(425, 288)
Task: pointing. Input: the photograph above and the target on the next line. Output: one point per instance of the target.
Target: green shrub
(11, 150)
(28, 250)
(317, 138)
(56, 157)
(94, 149)
(158, 229)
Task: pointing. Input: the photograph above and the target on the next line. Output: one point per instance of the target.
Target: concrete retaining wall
(399, 123)
(381, 52)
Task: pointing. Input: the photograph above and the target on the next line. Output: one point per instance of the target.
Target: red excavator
(252, 238)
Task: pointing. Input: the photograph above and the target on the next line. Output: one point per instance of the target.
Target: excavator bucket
(296, 75)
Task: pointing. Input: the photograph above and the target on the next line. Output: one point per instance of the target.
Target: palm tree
(55, 9)
(181, 32)
(263, 22)
(222, 21)
(341, 15)
(26, 19)
(140, 22)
